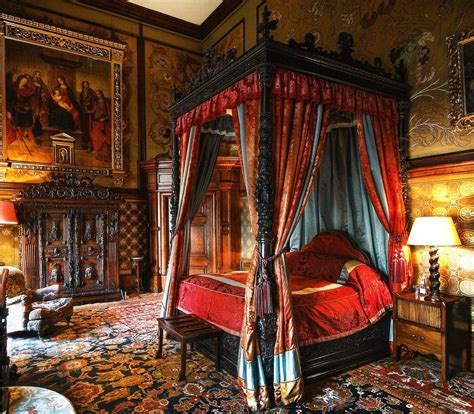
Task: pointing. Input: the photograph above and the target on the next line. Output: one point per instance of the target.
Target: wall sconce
(434, 231)
(7, 216)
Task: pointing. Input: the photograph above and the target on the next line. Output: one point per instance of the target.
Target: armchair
(34, 310)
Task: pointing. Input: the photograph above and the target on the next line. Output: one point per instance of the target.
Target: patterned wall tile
(133, 233)
(10, 245)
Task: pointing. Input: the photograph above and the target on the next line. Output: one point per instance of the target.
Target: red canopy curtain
(294, 131)
(180, 244)
(382, 126)
(251, 377)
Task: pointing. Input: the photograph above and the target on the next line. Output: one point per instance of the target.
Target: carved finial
(400, 71)
(267, 26)
(176, 94)
(346, 45)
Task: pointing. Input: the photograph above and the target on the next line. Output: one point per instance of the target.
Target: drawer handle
(422, 338)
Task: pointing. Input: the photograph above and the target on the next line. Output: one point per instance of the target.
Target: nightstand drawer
(419, 339)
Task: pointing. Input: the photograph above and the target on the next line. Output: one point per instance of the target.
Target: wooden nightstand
(438, 328)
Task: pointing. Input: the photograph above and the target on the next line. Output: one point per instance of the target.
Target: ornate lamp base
(435, 294)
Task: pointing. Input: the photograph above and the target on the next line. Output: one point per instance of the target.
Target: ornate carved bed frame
(220, 72)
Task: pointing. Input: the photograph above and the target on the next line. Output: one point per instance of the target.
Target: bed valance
(290, 85)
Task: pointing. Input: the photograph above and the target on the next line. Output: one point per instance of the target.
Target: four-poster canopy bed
(281, 99)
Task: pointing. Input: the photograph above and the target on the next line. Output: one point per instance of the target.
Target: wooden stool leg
(159, 353)
(182, 374)
(218, 352)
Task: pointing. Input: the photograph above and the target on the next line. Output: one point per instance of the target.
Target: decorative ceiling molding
(154, 18)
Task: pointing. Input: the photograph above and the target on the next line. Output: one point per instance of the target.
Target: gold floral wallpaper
(9, 245)
(447, 196)
(164, 67)
(414, 31)
(233, 39)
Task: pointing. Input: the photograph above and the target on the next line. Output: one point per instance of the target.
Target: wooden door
(203, 237)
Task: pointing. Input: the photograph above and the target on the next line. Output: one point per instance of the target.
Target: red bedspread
(326, 307)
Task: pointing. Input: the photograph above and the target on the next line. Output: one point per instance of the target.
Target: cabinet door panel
(55, 247)
(91, 240)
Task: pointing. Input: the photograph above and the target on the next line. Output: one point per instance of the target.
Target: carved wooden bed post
(266, 324)
(175, 174)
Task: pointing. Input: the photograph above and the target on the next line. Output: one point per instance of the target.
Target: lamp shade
(434, 231)
(7, 213)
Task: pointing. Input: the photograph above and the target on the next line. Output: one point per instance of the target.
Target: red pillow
(315, 265)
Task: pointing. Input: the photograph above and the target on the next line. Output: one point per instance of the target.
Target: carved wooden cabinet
(69, 235)
(437, 328)
(215, 229)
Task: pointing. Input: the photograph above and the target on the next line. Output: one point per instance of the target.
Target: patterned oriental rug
(104, 363)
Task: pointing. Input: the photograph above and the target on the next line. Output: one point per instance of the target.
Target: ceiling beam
(154, 18)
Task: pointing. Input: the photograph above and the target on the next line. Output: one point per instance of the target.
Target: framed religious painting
(461, 80)
(61, 100)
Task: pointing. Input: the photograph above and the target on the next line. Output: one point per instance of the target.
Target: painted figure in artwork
(56, 274)
(100, 131)
(20, 114)
(41, 96)
(89, 271)
(87, 100)
(63, 107)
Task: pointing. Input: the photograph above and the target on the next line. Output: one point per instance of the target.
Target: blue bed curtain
(339, 201)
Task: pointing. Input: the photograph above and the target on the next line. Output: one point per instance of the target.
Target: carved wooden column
(266, 325)
(176, 173)
(158, 178)
(151, 172)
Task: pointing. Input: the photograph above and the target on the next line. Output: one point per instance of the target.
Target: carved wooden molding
(68, 187)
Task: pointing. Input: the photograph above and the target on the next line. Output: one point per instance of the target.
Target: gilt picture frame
(461, 80)
(61, 100)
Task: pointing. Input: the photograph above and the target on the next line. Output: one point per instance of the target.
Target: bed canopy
(281, 98)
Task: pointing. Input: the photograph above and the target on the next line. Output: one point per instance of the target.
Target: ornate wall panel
(234, 38)
(417, 33)
(165, 66)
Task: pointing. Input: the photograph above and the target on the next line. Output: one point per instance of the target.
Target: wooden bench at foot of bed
(186, 329)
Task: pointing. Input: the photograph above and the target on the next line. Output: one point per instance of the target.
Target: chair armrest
(23, 299)
(47, 293)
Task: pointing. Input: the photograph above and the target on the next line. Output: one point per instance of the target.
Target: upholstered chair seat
(34, 310)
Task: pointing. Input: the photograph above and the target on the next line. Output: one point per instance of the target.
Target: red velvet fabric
(315, 265)
(320, 316)
(386, 140)
(289, 85)
(307, 88)
(241, 91)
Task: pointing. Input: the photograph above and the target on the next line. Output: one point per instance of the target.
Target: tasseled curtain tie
(263, 293)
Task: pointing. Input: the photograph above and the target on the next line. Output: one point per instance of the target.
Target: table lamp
(434, 232)
(7, 215)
